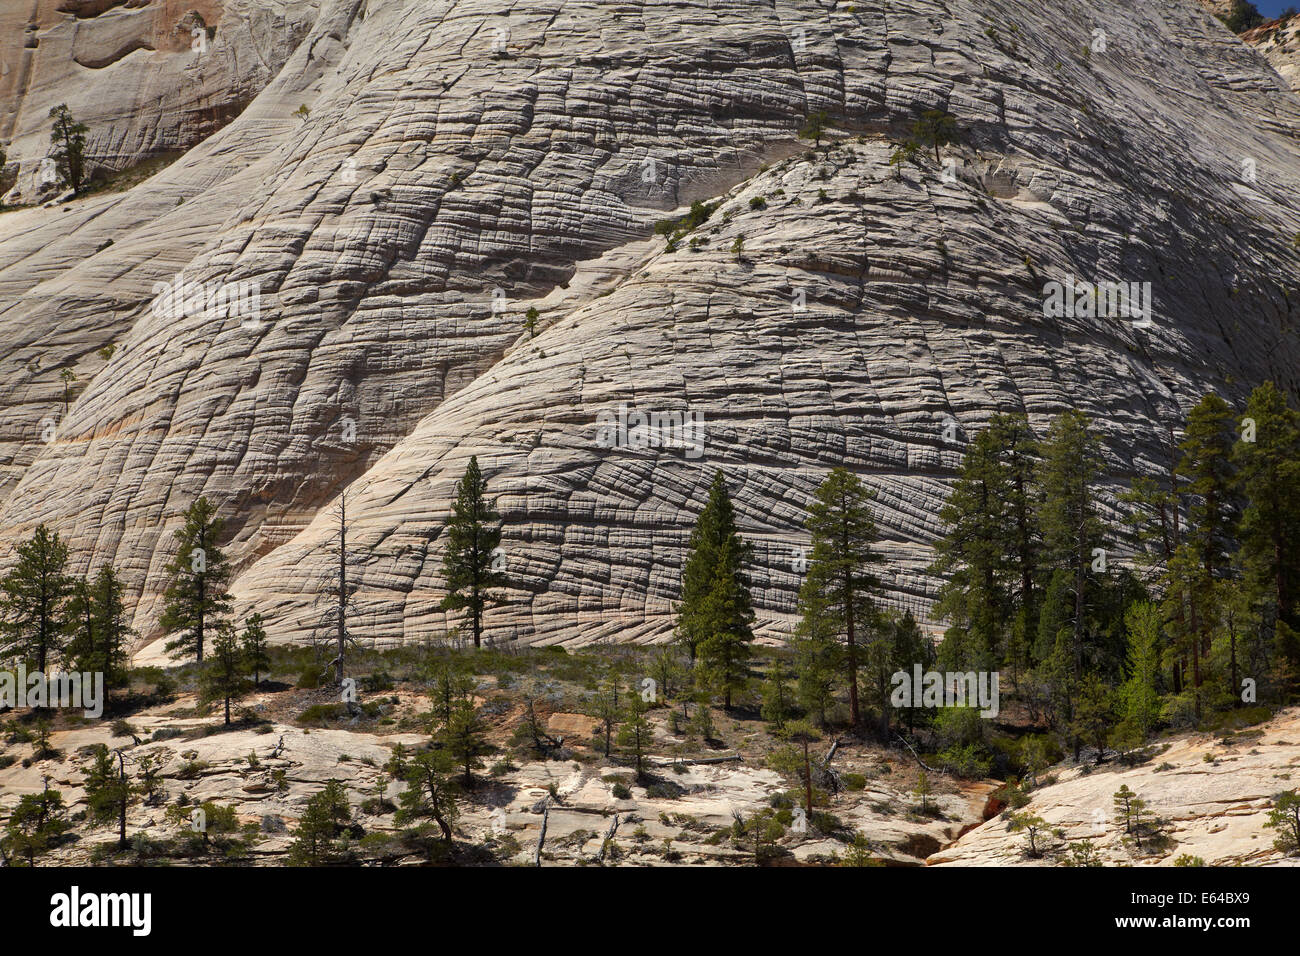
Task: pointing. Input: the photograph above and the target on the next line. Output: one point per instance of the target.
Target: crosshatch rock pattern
(459, 163)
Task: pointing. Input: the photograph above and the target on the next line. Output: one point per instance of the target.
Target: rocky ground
(682, 812)
(1211, 791)
(283, 751)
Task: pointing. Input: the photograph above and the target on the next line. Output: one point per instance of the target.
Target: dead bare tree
(334, 622)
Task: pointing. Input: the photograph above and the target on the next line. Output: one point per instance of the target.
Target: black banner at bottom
(139, 908)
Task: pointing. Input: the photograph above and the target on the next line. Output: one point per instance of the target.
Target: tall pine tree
(716, 616)
(1267, 457)
(33, 598)
(837, 593)
(473, 535)
(196, 599)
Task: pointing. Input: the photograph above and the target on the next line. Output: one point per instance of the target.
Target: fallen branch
(609, 835)
(918, 757)
(669, 762)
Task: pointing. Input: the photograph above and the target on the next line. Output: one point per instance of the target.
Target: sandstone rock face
(459, 165)
(148, 77)
(1279, 42)
(1212, 794)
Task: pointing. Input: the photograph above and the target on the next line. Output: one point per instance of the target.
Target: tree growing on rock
(604, 707)
(68, 139)
(1285, 818)
(716, 616)
(1032, 826)
(837, 593)
(778, 696)
(224, 677)
(725, 655)
(473, 536)
(431, 790)
(935, 129)
(635, 734)
(33, 599)
(35, 826)
(923, 790)
(108, 790)
(464, 739)
(318, 840)
(253, 645)
(814, 127)
(98, 621)
(196, 598)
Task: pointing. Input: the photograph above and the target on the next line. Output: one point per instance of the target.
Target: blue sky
(1271, 8)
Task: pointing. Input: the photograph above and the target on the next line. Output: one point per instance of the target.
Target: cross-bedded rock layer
(459, 164)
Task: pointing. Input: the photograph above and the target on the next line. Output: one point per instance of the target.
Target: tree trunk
(343, 587)
(807, 781)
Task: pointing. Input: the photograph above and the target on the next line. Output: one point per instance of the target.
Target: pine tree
(196, 598)
(464, 739)
(1140, 694)
(113, 632)
(79, 625)
(33, 597)
(605, 709)
(715, 595)
(635, 733)
(317, 838)
(451, 687)
(666, 668)
(896, 644)
(253, 645)
(935, 129)
(971, 558)
(472, 536)
(818, 657)
(778, 696)
(814, 127)
(431, 790)
(108, 791)
(1095, 713)
(1202, 560)
(224, 676)
(726, 652)
(97, 620)
(836, 596)
(909, 648)
(1071, 527)
(923, 790)
(1032, 825)
(802, 735)
(1017, 448)
(35, 826)
(68, 139)
(1123, 800)
(1268, 469)
(1211, 474)
(1285, 818)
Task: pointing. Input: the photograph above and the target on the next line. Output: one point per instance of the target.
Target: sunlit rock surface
(457, 164)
